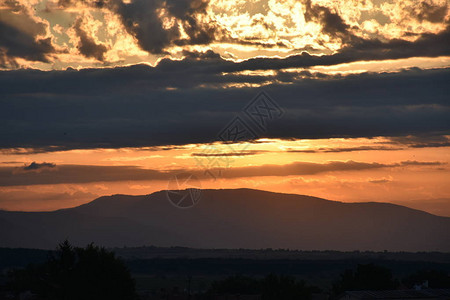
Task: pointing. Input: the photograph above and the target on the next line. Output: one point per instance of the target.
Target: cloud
(87, 46)
(380, 181)
(17, 44)
(332, 24)
(162, 27)
(37, 166)
(306, 168)
(427, 45)
(222, 154)
(22, 36)
(346, 149)
(134, 107)
(145, 30)
(299, 168)
(421, 163)
(421, 141)
(431, 12)
(77, 174)
(159, 24)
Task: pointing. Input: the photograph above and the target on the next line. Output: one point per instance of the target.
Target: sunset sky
(341, 99)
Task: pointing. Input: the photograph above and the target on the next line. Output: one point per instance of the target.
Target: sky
(346, 100)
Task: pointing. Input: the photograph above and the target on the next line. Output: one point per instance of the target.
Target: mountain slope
(240, 218)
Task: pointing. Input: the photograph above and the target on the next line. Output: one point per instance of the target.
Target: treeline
(96, 273)
(364, 277)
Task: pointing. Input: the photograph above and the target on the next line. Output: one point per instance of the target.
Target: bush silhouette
(77, 273)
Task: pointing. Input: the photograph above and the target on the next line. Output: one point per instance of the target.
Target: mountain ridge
(232, 218)
(109, 197)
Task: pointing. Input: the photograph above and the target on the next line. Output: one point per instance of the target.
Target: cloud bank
(75, 174)
(170, 105)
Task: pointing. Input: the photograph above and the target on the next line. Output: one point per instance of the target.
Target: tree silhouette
(76, 273)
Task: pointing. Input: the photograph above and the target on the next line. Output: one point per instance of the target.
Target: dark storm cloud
(356, 49)
(332, 23)
(19, 36)
(131, 106)
(430, 12)
(421, 141)
(15, 43)
(87, 46)
(427, 45)
(75, 174)
(142, 19)
(336, 28)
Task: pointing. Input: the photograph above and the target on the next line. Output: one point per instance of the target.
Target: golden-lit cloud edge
(80, 34)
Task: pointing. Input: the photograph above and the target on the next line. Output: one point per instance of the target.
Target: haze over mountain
(240, 218)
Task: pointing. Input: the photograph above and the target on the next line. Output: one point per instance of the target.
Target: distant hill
(240, 218)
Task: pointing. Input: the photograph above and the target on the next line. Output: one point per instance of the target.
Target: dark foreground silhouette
(95, 273)
(271, 287)
(76, 273)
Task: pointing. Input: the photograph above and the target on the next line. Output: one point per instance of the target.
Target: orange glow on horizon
(422, 178)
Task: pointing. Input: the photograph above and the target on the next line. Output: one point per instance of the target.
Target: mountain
(239, 218)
